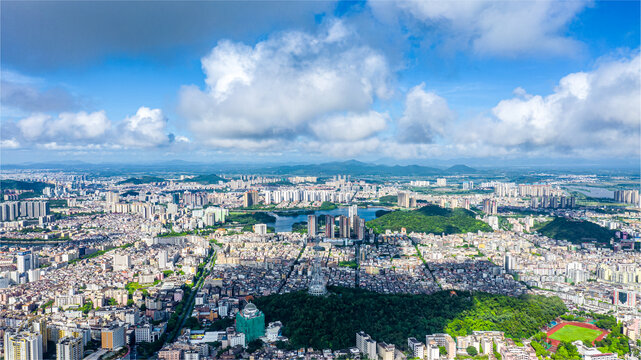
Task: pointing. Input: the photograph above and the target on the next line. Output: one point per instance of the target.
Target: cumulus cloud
(425, 118)
(9, 143)
(147, 128)
(495, 27)
(69, 127)
(278, 88)
(350, 127)
(595, 113)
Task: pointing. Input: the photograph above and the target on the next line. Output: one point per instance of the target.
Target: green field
(571, 333)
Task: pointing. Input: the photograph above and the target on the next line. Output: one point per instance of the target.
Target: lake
(595, 192)
(284, 223)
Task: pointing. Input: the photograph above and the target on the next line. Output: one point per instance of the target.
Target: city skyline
(277, 82)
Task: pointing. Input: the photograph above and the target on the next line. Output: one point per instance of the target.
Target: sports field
(571, 333)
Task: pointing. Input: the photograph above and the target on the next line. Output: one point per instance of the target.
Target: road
(194, 290)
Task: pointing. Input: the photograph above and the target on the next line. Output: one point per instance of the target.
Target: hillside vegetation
(206, 179)
(430, 219)
(577, 231)
(332, 321)
(142, 180)
(36, 186)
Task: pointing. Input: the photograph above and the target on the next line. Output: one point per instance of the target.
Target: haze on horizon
(515, 82)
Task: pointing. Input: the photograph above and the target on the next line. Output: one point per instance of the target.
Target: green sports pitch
(571, 333)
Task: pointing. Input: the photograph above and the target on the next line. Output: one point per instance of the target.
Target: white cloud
(147, 128)
(80, 127)
(425, 118)
(350, 127)
(495, 27)
(182, 139)
(278, 88)
(9, 144)
(594, 113)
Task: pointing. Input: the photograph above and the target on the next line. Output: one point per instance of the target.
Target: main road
(211, 260)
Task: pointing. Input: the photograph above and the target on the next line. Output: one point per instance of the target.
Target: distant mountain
(349, 167)
(206, 179)
(461, 169)
(354, 168)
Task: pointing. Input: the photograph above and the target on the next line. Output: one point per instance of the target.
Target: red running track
(579, 324)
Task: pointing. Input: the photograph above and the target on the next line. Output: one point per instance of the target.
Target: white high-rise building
(24, 261)
(352, 212)
(260, 229)
(162, 259)
(416, 347)
(432, 352)
(366, 345)
(121, 262)
(23, 346)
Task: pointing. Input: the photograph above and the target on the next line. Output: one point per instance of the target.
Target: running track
(579, 324)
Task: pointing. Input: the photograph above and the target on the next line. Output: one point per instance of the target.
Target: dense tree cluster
(577, 231)
(250, 218)
(332, 321)
(615, 342)
(430, 219)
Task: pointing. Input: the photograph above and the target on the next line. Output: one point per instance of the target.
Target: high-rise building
(627, 196)
(416, 347)
(39, 326)
(385, 351)
(343, 226)
(366, 345)
(444, 340)
(121, 262)
(250, 198)
(317, 282)
(509, 263)
(329, 226)
(260, 229)
(403, 199)
(311, 225)
(24, 261)
(251, 322)
(70, 348)
(490, 207)
(112, 197)
(352, 212)
(162, 259)
(23, 346)
(112, 338)
(359, 228)
(441, 182)
(432, 352)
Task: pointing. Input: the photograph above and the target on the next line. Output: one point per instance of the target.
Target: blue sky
(406, 82)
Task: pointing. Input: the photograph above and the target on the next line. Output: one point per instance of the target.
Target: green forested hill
(577, 231)
(142, 180)
(332, 322)
(36, 186)
(429, 219)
